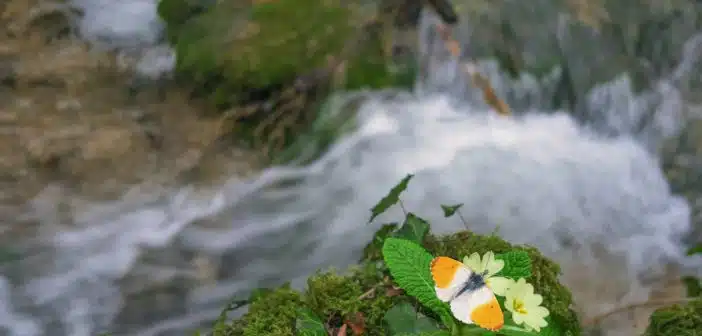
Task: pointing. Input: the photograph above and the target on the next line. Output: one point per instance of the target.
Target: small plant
(503, 274)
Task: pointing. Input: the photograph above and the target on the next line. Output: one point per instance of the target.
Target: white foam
(543, 179)
(120, 24)
(540, 177)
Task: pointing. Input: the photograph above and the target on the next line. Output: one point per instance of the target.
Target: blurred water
(587, 193)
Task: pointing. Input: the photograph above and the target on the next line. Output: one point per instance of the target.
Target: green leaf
(403, 318)
(697, 249)
(693, 286)
(373, 251)
(517, 264)
(449, 210)
(409, 265)
(309, 324)
(474, 330)
(426, 333)
(413, 229)
(512, 330)
(552, 329)
(391, 198)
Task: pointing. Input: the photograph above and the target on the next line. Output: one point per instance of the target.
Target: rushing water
(588, 200)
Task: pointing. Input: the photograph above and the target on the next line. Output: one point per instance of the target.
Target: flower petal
(533, 300)
(534, 322)
(473, 262)
(488, 257)
(494, 266)
(509, 302)
(519, 288)
(499, 285)
(539, 311)
(518, 318)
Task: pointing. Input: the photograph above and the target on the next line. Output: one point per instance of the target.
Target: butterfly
(471, 301)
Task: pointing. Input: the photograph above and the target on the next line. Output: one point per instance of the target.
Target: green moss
(175, 13)
(677, 320)
(232, 48)
(242, 55)
(372, 69)
(331, 296)
(271, 313)
(335, 297)
(557, 298)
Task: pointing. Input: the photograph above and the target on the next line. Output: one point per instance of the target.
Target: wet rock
(592, 42)
(269, 65)
(107, 143)
(682, 163)
(8, 76)
(256, 48)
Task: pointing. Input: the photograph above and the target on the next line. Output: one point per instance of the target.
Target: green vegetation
(677, 320)
(270, 65)
(388, 293)
(391, 290)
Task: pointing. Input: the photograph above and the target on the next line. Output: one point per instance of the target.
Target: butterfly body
(470, 299)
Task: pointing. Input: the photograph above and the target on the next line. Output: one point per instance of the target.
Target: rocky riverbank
(72, 115)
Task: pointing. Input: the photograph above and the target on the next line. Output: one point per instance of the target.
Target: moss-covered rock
(231, 47)
(366, 289)
(270, 64)
(677, 320)
(557, 298)
(175, 13)
(270, 313)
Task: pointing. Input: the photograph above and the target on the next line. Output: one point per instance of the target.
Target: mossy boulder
(367, 290)
(677, 320)
(233, 47)
(175, 13)
(271, 64)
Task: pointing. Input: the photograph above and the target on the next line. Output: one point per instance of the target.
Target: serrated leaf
(403, 318)
(449, 210)
(413, 229)
(693, 286)
(517, 264)
(409, 265)
(309, 324)
(391, 198)
(697, 249)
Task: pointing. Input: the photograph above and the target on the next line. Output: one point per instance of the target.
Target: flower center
(519, 306)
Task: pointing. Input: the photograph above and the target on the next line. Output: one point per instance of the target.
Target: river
(591, 194)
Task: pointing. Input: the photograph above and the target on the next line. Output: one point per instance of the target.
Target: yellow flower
(489, 266)
(525, 305)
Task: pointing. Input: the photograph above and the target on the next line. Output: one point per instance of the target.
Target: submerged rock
(592, 42)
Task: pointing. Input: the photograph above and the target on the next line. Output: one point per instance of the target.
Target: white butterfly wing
(461, 276)
(463, 305)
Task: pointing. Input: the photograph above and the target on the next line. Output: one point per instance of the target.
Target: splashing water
(589, 201)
